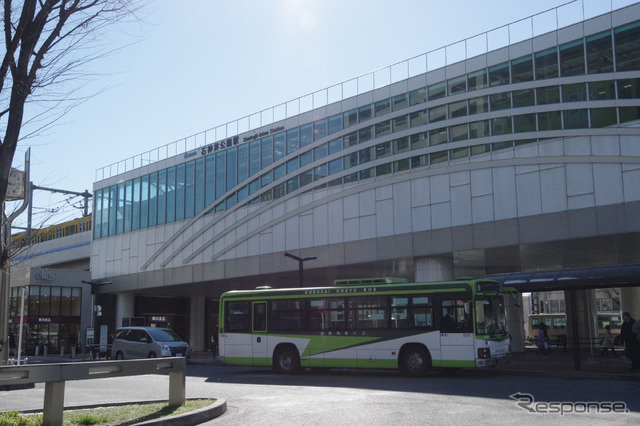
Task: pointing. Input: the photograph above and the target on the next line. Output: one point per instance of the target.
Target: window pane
(477, 80)
(128, 196)
(365, 134)
(574, 92)
(500, 101)
(153, 198)
(418, 96)
(458, 153)
(478, 105)
(418, 118)
(221, 161)
(599, 90)
(180, 185)
(189, 189)
(243, 160)
(501, 126)
(458, 133)
(144, 202)
(401, 145)
(320, 172)
(383, 128)
(599, 53)
(199, 196)
(524, 123)
(350, 139)
(438, 113)
(232, 165)
(306, 158)
(523, 98)
(365, 113)
(546, 64)
(437, 91)
(261, 154)
(548, 95)
(572, 58)
(113, 211)
(383, 107)
(350, 118)
(319, 129)
(120, 213)
(457, 85)
(627, 41)
(479, 129)
(575, 119)
(335, 124)
(603, 117)
(383, 150)
(400, 123)
(458, 109)
(171, 194)
(335, 146)
(279, 148)
(306, 134)
(399, 102)
(629, 89)
(629, 114)
(293, 140)
(499, 74)
(550, 120)
(162, 195)
(320, 152)
(522, 69)
(439, 157)
(437, 136)
(419, 140)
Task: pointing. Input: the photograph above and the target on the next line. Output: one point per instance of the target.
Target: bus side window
(237, 317)
(260, 316)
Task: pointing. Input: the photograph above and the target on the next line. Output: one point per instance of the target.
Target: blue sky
(193, 65)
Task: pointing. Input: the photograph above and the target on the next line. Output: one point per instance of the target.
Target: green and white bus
(367, 323)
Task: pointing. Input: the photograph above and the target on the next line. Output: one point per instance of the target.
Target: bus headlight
(484, 353)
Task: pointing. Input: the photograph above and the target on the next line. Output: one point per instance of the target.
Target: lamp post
(300, 260)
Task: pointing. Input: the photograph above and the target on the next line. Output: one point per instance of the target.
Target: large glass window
(256, 161)
(171, 194)
(400, 123)
(500, 101)
(153, 199)
(113, 203)
(546, 64)
(479, 129)
(575, 119)
(144, 202)
(599, 53)
(551, 120)
(199, 197)
(627, 41)
(477, 80)
(383, 107)
(243, 160)
(162, 196)
(180, 191)
(437, 91)
(457, 85)
(499, 74)
(335, 124)
(350, 118)
(629, 89)
(383, 128)
(458, 133)
(438, 113)
(418, 118)
(120, 213)
(319, 129)
(399, 102)
(458, 109)
(365, 113)
(293, 140)
(437, 136)
(128, 212)
(524, 123)
(306, 134)
(522, 69)
(603, 117)
(524, 98)
(478, 105)
(189, 189)
(600, 90)
(574, 92)
(572, 58)
(232, 164)
(418, 96)
(279, 147)
(221, 187)
(501, 126)
(548, 95)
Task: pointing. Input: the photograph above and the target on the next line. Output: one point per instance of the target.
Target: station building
(522, 157)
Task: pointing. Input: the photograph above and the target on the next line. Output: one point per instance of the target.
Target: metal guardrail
(55, 376)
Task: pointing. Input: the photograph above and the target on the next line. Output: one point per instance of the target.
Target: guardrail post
(177, 388)
(53, 403)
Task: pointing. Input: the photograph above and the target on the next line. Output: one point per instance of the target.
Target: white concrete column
(197, 323)
(433, 269)
(630, 301)
(124, 307)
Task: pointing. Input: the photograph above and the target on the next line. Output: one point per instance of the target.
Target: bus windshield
(490, 315)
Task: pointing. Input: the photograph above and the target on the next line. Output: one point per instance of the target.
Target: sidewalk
(557, 363)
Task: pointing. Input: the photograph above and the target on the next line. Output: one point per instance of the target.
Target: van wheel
(287, 360)
(415, 361)
(153, 355)
(119, 356)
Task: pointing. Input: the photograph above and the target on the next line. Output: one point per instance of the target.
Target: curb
(195, 417)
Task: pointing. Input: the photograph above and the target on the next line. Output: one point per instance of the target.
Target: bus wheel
(415, 361)
(286, 360)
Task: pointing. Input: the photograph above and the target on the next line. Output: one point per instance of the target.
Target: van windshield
(163, 335)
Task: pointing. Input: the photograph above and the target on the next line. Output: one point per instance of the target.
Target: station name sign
(231, 142)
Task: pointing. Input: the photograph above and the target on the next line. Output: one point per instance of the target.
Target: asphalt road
(257, 396)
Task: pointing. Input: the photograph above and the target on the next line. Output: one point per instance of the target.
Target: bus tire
(415, 361)
(286, 360)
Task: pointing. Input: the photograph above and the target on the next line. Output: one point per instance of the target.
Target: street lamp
(300, 260)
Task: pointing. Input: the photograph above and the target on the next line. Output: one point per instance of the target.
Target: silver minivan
(148, 342)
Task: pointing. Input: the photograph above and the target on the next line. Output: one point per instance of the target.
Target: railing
(55, 375)
(549, 20)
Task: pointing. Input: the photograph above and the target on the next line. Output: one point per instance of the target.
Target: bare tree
(47, 42)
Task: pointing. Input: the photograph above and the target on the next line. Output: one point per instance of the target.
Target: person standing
(630, 340)
(543, 339)
(607, 342)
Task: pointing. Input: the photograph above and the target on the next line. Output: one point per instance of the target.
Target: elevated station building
(518, 157)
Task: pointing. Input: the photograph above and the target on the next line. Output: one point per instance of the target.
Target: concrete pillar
(124, 307)
(197, 323)
(434, 269)
(630, 301)
(514, 307)
(584, 320)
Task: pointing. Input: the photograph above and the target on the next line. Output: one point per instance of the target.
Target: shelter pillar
(434, 269)
(630, 301)
(582, 327)
(125, 307)
(196, 323)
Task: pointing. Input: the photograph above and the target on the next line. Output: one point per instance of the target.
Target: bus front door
(259, 328)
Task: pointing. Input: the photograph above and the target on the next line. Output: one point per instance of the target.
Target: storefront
(54, 308)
